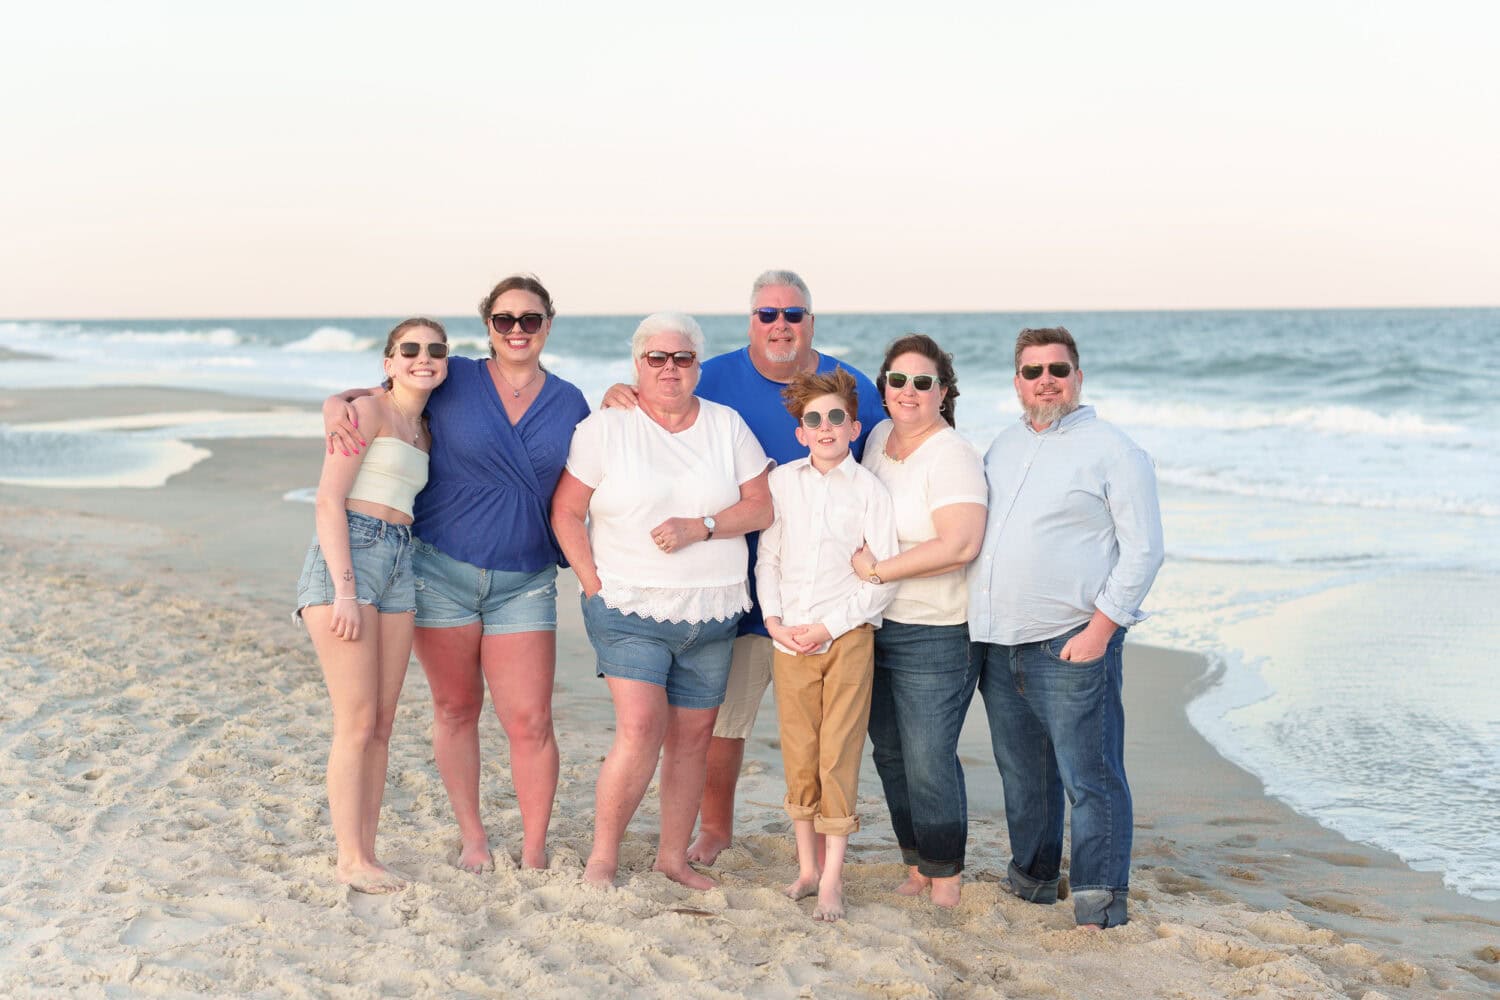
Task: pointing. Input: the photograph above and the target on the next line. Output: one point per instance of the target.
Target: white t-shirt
(642, 474)
(945, 469)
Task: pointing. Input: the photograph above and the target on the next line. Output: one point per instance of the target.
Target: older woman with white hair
(651, 513)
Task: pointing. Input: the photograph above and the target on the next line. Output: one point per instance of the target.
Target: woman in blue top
(485, 560)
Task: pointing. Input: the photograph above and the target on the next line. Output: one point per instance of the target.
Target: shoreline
(164, 732)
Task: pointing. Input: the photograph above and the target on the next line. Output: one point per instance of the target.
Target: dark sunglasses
(921, 383)
(812, 419)
(410, 349)
(682, 359)
(1057, 369)
(793, 314)
(530, 322)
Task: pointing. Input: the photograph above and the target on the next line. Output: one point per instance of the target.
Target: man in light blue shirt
(1071, 547)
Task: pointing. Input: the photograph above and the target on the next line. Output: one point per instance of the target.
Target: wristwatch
(874, 578)
(710, 524)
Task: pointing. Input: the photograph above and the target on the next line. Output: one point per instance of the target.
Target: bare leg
(520, 669)
(640, 728)
(450, 658)
(394, 658)
(831, 885)
(351, 671)
(716, 815)
(808, 864)
(682, 774)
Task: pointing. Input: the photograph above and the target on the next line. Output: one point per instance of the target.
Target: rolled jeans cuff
(1104, 907)
(1033, 890)
(931, 869)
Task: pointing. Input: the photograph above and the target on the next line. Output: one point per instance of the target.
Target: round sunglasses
(812, 419)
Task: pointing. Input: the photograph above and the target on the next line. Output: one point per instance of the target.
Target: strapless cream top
(393, 473)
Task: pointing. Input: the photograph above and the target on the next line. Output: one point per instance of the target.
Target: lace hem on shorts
(675, 604)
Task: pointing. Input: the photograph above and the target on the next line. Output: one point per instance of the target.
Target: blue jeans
(1058, 727)
(923, 686)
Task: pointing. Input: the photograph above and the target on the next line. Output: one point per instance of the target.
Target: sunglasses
(1057, 369)
(659, 359)
(529, 322)
(921, 383)
(812, 419)
(793, 314)
(410, 349)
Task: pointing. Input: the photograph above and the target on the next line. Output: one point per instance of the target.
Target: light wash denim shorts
(451, 593)
(381, 554)
(689, 659)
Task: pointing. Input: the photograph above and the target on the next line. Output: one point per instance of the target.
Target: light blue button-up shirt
(1074, 525)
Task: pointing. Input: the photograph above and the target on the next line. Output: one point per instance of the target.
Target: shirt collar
(844, 468)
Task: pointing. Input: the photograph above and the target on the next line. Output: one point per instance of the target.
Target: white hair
(781, 279)
(667, 322)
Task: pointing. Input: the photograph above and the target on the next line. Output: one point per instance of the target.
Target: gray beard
(781, 358)
(1045, 416)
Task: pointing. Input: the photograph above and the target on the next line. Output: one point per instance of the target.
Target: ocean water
(1330, 487)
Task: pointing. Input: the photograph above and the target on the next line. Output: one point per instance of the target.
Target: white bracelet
(355, 598)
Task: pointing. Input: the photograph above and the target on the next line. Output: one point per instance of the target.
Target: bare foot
(537, 860)
(806, 885)
(371, 878)
(599, 874)
(706, 849)
(916, 883)
(475, 858)
(1091, 928)
(945, 891)
(830, 902)
(683, 874)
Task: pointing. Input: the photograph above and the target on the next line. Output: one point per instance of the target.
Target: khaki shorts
(749, 676)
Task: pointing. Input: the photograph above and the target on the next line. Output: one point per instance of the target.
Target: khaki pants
(823, 701)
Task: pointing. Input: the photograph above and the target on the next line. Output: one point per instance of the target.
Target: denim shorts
(381, 554)
(451, 593)
(689, 659)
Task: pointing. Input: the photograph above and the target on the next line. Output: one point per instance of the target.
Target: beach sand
(163, 827)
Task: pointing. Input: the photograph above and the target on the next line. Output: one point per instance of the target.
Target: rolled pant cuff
(800, 812)
(837, 826)
(1033, 890)
(1105, 907)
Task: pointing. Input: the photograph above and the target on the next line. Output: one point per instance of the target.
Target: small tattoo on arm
(348, 574)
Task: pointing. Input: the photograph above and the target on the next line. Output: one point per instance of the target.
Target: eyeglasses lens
(682, 359)
(1057, 369)
(812, 419)
(793, 315)
(529, 322)
(410, 349)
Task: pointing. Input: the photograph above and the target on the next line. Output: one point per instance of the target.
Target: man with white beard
(1071, 547)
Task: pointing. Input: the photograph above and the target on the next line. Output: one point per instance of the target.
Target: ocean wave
(219, 337)
(1342, 420)
(1326, 495)
(331, 340)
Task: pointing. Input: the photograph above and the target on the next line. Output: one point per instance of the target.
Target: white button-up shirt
(1074, 525)
(802, 571)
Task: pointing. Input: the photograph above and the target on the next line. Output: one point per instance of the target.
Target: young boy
(821, 618)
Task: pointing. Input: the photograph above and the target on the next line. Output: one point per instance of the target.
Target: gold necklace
(416, 425)
(514, 392)
(906, 450)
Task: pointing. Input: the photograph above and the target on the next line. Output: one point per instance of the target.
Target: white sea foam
(1332, 492)
(1340, 420)
(331, 339)
(221, 337)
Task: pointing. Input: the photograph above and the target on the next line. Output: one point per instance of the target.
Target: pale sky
(201, 159)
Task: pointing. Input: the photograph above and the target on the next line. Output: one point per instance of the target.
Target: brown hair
(1041, 336)
(399, 330)
(807, 387)
(920, 343)
(524, 282)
